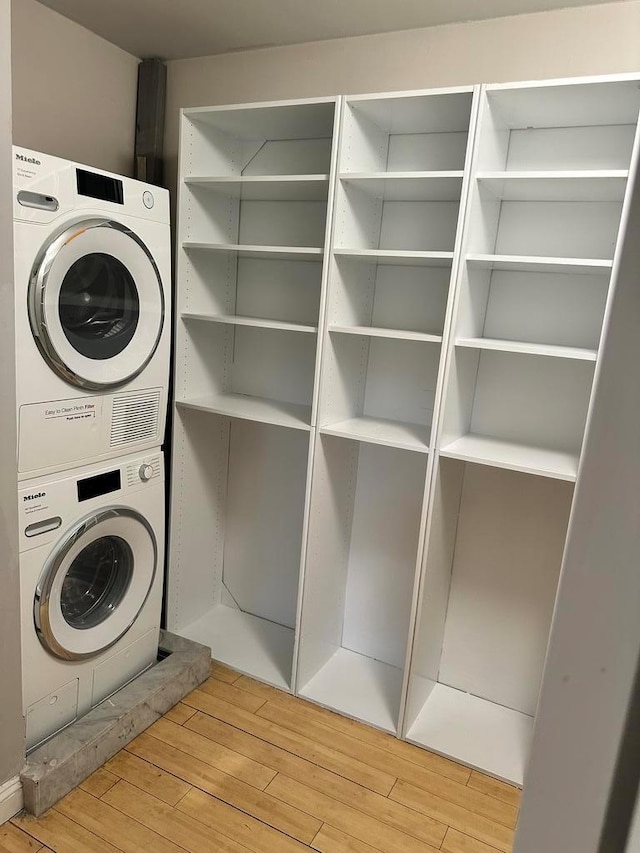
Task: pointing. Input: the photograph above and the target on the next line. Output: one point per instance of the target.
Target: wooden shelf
(486, 450)
(377, 332)
(251, 645)
(266, 187)
(474, 731)
(602, 185)
(523, 347)
(407, 186)
(396, 257)
(276, 252)
(404, 436)
(531, 263)
(253, 409)
(257, 322)
(360, 687)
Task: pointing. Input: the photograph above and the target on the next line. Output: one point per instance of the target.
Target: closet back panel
(274, 364)
(401, 380)
(279, 290)
(265, 495)
(382, 561)
(428, 152)
(547, 308)
(509, 546)
(411, 298)
(282, 223)
(291, 157)
(570, 148)
(532, 399)
(558, 229)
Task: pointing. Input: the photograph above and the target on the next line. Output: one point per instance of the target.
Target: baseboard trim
(11, 799)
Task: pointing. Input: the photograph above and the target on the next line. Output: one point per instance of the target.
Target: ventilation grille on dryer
(135, 417)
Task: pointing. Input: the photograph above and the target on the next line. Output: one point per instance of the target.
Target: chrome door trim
(51, 568)
(36, 296)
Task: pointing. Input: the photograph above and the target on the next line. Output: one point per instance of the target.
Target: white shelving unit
(402, 175)
(549, 176)
(255, 202)
(390, 310)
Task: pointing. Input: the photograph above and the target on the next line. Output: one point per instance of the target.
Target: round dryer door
(96, 304)
(95, 583)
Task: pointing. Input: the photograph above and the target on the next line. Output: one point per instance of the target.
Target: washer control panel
(143, 471)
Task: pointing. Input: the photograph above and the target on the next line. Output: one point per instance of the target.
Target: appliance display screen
(101, 484)
(99, 186)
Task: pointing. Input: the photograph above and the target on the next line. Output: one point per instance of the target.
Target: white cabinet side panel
(384, 544)
(511, 534)
(332, 493)
(592, 661)
(198, 494)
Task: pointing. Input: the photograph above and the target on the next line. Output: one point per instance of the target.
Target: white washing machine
(92, 280)
(91, 578)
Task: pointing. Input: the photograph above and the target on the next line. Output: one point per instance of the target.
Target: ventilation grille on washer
(135, 417)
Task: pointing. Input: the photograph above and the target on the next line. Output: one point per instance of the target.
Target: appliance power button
(148, 199)
(145, 473)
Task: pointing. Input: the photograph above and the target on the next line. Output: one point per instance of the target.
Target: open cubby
(549, 311)
(515, 410)
(247, 372)
(492, 564)
(258, 140)
(225, 286)
(233, 592)
(572, 126)
(415, 132)
(368, 222)
(365, 293)
(360, 569)
(380, 390)
(212, 217)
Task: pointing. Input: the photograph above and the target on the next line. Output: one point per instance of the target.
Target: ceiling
(177, 29)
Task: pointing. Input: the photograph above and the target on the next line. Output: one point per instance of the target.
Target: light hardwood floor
(239, 767)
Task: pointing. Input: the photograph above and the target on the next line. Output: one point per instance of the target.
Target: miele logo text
(31, 160)
(34, 497)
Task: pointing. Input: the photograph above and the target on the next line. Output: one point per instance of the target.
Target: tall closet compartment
(255, 205)
(400, 194)
(549, 176)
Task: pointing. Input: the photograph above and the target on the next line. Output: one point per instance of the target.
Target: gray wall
(74, 94)
(11, 725)
(584, 40)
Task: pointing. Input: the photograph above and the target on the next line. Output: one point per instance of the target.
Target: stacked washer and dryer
(92, 279)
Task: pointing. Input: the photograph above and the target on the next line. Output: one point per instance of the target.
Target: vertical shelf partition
(396, 236)
(548, 183)
(256, 195)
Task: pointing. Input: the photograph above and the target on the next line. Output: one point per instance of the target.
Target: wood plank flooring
(239, 767)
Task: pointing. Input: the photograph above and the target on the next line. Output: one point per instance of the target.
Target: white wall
(11, 725)
(74, 94)
(570, 42)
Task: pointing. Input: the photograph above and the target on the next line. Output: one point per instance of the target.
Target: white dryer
(92, 282)
(91, 578)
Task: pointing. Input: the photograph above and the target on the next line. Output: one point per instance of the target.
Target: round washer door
(95, 583)
(96, 304)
